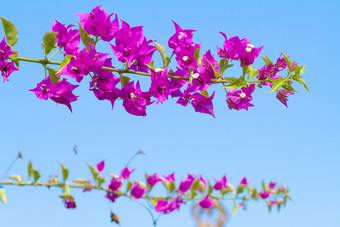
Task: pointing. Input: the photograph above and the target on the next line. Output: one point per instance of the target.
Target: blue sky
(297, 146)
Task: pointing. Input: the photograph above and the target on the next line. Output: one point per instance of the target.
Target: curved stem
(120, 71)
(53, 54)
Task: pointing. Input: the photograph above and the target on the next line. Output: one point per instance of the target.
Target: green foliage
(10, 31)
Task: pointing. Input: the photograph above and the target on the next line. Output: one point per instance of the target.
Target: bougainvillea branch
(189, 82)
(194, 188)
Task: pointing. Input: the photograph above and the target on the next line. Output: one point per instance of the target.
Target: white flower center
(185, 58)
(159, 70)
(243, 95)
(195, 75)
(182, 34)
(250, 47)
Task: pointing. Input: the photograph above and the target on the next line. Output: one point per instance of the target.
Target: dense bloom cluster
(192, 187)
(189, 82)
(6, 66)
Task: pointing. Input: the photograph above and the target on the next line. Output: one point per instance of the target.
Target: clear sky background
(297, 146)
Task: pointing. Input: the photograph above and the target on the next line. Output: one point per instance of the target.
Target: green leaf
(172, 186)
(101, 180)
(252, 73)
(288, 88)
(65, 172)
(193, 193)
(254, 193)
(30, 169)
(234, 209)
(228, 189)
(80, 181)
(50, 41)
(301, 81)
(151, 66)
(302, 69)
(66, 190)
(94, 172)
(124, 80)
(86, 38)
(232, 79)
(210, 188)
(197, 54)
(154, 201)
(16, 177)
(278, 83)
(3, 197)
(246, 69)
(265, 186)
(64, 196)
(287, 59)
(223, 65)
(238, 83)
(161, 50)
(129, 185)
(205, 93)
(53, 75)
(36, 175)
(240, 188)
(266, 60)
(194, 185)
(10, 31)
(66, 60)
(202, 187)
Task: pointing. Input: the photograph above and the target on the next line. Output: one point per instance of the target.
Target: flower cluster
(193, 187)
(6, 65)
(188, 83)
(205, 192)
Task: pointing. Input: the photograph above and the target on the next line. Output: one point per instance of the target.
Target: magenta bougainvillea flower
(248, 53)
(170, 177)
(219, 184)
(282, 95)
(67, 38)
(125, 173)
(231, 48)
(83, 63)
(180, 38)
(272, 203)
(244, 181)
(272, 185)
(186, 184)
(115, 183)
(240, 99)
(100, 166)
(6, 69)
(60, 92)
(207, 202)
(104, 84)
(137, 191)
(135, 101)
(70, 203)
(160, 88)
(111, 196)
(207, 72)
(98, 23)
(127, 43)
(167, 206)
(203, 104)
(5, 50)
(144, 57)
(153, 179)
(264, 194)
